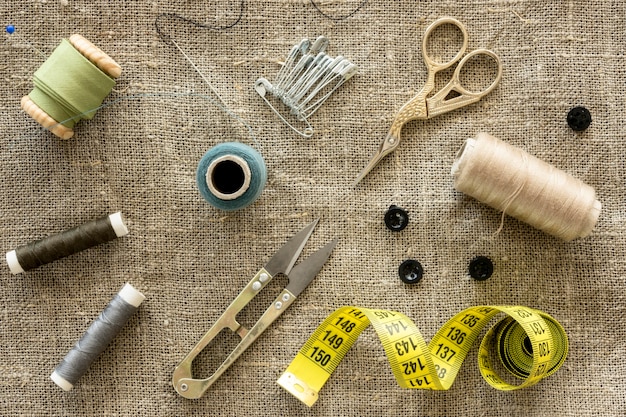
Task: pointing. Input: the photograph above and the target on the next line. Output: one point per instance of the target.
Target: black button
(396, 218)
(481, 268)
(579, 118)
(410, 271)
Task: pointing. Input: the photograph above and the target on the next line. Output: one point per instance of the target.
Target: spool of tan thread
(522, 186)
(99, 59)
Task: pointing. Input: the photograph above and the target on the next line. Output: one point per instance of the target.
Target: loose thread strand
(177, 95)
(339, 18)
(511, 198)
(27, 43)
(166, 37)
(199, 72)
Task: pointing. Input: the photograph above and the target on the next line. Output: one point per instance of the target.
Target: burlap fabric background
(139, 157)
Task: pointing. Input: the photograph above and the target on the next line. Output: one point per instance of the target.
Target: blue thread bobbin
(231, 176)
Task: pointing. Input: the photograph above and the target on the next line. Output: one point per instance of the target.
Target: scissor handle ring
(438, 66)
(459, 68)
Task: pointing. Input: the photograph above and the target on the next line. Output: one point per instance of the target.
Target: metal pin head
(262, 86)
(320, 45)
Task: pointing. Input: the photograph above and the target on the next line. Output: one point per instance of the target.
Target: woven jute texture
(139, 156)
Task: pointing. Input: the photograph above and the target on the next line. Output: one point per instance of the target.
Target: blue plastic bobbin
(231, 176)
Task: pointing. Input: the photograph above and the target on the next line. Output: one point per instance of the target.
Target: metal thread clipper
(299, 278)
(308, 77)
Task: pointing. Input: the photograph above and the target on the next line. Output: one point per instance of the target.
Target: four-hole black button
(396, 218)
(480, 268)
(410, 271)
(579, 118)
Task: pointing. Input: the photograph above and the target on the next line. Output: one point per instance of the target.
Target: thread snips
(299, 278)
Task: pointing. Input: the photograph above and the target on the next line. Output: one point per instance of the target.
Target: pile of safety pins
(306, 80)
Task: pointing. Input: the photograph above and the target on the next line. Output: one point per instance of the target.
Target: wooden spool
(99, 59)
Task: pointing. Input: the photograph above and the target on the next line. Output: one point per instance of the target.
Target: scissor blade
(287, 255)
(370, 165)
(389, 145)
(305, 271)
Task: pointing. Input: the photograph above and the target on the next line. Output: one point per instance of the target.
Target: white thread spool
(525, 187)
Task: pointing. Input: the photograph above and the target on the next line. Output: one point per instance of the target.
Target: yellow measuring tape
(530, 344)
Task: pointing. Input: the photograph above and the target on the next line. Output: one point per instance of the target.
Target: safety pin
(297, 50)
(345, 75)
(306, 80)
(308, 56)
(345, 72)
(316, 65)
(262, 86)
(312, 77)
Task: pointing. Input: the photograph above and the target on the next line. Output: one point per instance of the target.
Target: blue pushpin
(11, 29)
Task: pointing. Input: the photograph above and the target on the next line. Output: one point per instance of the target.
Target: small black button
(579, 118)
(480, 268)
(396, 218)
(410, 271)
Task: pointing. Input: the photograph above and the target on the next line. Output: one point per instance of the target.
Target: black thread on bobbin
(95, 340)
(76, 239)
(339, 18)
(165, 37)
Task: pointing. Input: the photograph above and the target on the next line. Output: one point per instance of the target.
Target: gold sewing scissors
(299, 278)
(423, 107)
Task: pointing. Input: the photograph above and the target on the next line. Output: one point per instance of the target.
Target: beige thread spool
(99, 59)
(525, 187)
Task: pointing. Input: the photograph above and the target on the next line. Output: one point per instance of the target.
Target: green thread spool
(69, 85)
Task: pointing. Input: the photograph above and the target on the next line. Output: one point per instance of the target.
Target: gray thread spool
(97, 337)
(52, 248)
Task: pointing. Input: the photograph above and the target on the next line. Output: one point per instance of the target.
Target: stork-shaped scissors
(423, 107)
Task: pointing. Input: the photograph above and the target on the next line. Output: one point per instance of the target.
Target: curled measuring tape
(530, 344)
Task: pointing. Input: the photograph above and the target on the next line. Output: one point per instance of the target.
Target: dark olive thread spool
(52, 248)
